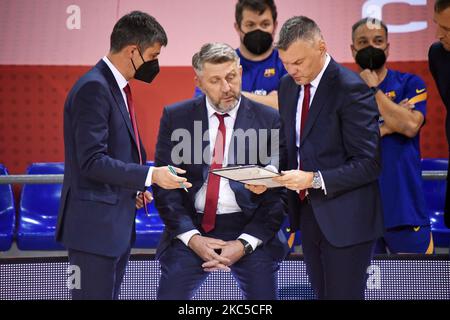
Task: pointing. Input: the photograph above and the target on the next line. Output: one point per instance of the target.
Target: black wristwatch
(374, 89)
(247, 246)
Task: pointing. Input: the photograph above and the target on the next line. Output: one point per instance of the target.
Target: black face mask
(258, 41)
(371, 58)
(147, 71)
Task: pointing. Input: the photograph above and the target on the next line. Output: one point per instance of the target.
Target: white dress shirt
(227, 200)
(314, 85)
(122, 83)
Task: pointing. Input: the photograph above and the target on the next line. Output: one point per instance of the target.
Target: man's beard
(228, 108)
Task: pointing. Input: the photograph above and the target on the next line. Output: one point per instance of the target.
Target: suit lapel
(244, 121)
(322, 95)
(291, 103)
(200, 116)
(117, 94)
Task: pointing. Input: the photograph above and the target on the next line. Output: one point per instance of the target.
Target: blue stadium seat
(148, 228)
(38, 214)
(38, 211)
(7, 213)
(435, 198)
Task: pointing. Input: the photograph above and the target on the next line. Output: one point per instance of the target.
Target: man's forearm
(270, 100)
(398, 119)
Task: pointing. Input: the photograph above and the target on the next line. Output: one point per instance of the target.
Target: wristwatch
(374, 89)
(247, 246)
(317, 182)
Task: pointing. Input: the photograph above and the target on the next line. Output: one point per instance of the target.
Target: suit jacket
(439, 62)
(102, 171)
(341, 139)
(264, 213)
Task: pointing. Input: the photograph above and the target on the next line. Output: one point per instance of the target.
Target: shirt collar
(211, 110)
(316, 81)
(120, 79)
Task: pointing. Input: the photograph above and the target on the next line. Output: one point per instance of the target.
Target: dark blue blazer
(264, 213)
(341, 139)
(439, 62)
(102, 171)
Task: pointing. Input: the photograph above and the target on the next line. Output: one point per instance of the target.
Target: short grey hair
(298, 28)
(215, 53)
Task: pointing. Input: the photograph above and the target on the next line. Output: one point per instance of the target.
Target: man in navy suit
(105, 159)
(219, 224)
(330, 119)
(439, 62)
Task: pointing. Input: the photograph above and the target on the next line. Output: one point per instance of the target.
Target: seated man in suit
(219, 224)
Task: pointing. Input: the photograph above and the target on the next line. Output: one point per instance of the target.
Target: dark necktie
(212, 190)
(305, 110)
(133, 119)
(127, 90)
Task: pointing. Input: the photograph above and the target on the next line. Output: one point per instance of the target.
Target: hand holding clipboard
(250, 174)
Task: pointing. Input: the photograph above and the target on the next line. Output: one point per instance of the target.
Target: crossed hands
(229, 252)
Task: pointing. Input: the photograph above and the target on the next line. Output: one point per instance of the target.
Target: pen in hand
(172, 171)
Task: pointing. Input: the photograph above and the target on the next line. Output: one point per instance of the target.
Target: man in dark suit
(330, 119)
(105, 159)
(439, 62)
(219, 224)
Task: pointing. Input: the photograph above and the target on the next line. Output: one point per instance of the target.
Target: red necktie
(305, 110)
(212, 191)
(133, 119)
(127, 90)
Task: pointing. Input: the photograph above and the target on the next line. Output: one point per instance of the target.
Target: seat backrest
(151, 223)
(42, 199)
(434, 192)
(437, 164)
(434, 189)
(6, 196)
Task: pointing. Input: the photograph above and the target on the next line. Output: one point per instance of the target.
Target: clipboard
(249, 174)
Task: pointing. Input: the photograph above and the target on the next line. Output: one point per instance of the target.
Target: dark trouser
(447, 199)
(101, 276)
(182, 273)
(334, 273)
